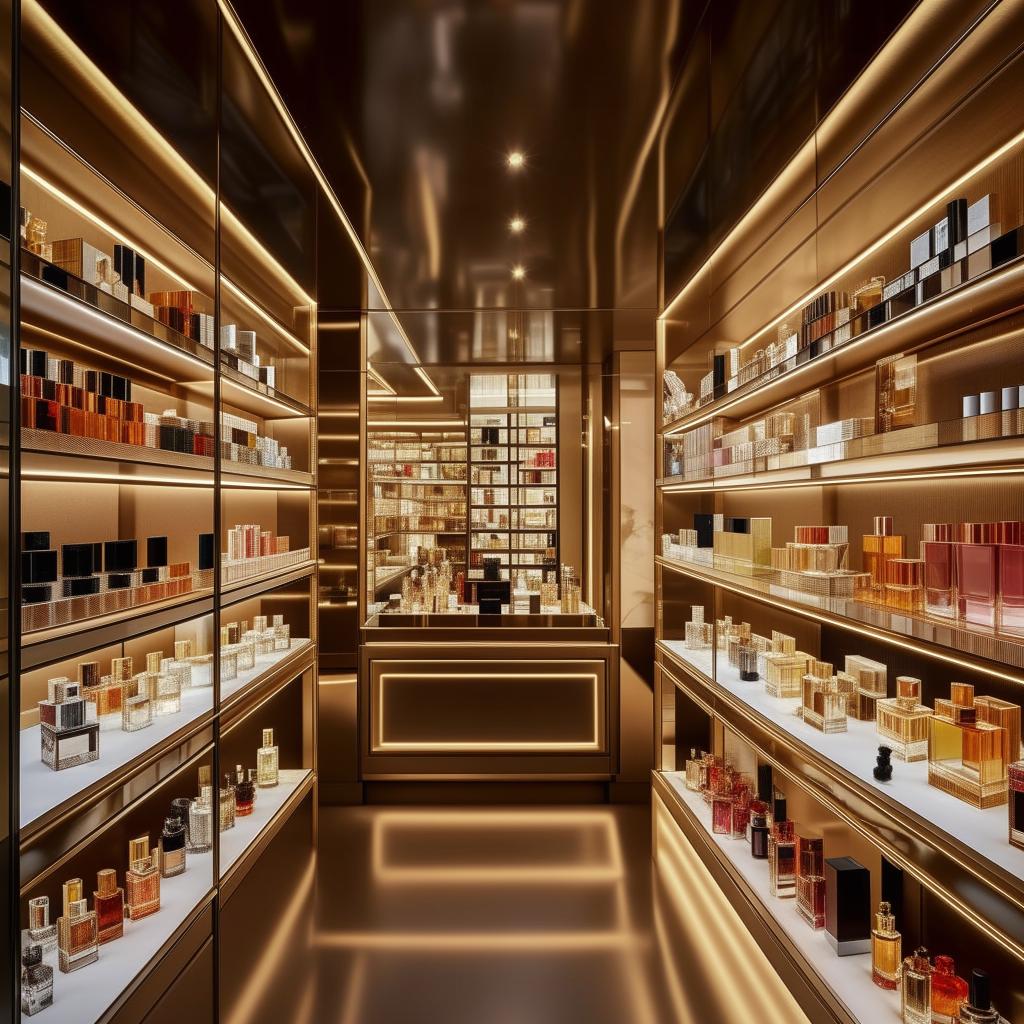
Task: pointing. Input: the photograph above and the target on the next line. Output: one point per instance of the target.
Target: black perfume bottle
(883, 764)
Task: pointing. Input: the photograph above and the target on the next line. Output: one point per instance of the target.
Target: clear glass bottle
(886, 949)
(979, 1009)
(200, 818)
(172, 846)
(36, 981)
(227, 803)
(266, 761)
(693, 771)
(810, 881)
(282, 634)
(916, 988)
(949, 992)
(141, 881)
(137, 703)
(108, 899)
(77, 930)
(40, 932)
(759, 831)
(782, 854)
(182, 806)
(245, 793)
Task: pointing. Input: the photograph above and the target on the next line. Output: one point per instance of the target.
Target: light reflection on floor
(502, 916)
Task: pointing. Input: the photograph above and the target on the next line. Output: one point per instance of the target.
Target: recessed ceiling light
(516, 225)
(518, 272)
(516, 159)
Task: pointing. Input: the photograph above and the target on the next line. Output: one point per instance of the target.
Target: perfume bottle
(949, 992)
(36, 981)
(977, 572)
(759, 831)
(903, 720)
(886, 951)
(740, 810)
(137, 703)
(166, 690)
(939, 569)
(172, 846)
(693, 771)
(782, 853)
(916, 988)
(266, 761)
(721, 806)
(108, 899)
(200, 817)
(69, 734)
(77, 931)
(181, 806)
(141, 881)
(810, 879)
(245, 793)
(227, 803)
(979, 1009)
(282, 634)
(39, 931)
(878, 548)
(1015, 777)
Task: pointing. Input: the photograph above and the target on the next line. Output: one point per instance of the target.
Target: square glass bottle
(245, 793)
(40, 932)
(903, 720)
(810, 879)
(227, 803)
(36, 981)
(937, 552)
(916, 988)
(871, 680)
(137, 703)
(200, 821)
(1015, 775)
(77, 930)
(782, 853)
(108, 899)
(879, 547)
(267, 761)
(968, 758)
(977, 573)
(172, 846)
(141, 881)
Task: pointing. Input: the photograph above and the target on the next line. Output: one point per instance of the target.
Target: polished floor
(545, 915)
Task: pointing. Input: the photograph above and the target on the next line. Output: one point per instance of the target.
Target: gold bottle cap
(106, 882)
(72, 893)
(138, 849)
(38, 912)
(268, 737)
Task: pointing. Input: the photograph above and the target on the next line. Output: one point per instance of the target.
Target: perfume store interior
(512, 511)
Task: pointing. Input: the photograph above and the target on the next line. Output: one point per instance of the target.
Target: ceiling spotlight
(516, 225)
(518, 272)
(515, 160)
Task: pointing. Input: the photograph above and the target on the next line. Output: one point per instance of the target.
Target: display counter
(464, 696)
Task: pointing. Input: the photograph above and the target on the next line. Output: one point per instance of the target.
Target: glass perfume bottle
(916, 988)
(227, 803)
(141, 881)
(40, 932)
(810, 880)
(137, 703)
(903, 720)
(172, 846)
(77, 930)
(166, 690)
(200, 818)
(740, 810)
(1015, 777)
(108, 899)
(693, 771)
(266, 761)
(949, 992)
(886, 952)
(878, 548)
(759, 830)
(36, 981)
(979, 1009)
(939, 569)
(181, 806)
(282, 634)
(721, 806)
(245, 793)
(782, 854)
(977, 572)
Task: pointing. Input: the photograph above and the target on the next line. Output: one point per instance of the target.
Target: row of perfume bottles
(832, 894)
(972, 743)
(80, 931)
(69, 717)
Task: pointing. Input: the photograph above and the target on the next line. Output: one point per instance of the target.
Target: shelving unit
(829, 400)
(513, 474)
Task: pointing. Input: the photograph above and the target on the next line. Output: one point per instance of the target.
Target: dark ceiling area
(413, 107)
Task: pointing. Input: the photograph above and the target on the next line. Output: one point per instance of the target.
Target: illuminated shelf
(238, 474)
(875, 620)
(258, 583)
(275, 665)
(957, 458)
(957, 846)
(87, 994)
(272, 808)
(847, 978)
(987, 297)
(44, 793)
(115, 328)
(240, 392)
(59, 642)
(390, 577)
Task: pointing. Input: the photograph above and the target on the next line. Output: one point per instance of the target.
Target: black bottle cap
(981, 990)
(764, 783)
(779, 812)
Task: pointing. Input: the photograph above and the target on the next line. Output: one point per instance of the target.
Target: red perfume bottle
(977, 572)
(949, 992)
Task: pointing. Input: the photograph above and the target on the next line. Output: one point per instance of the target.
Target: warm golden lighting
(516, 160)
(517, 225)
(518, 272)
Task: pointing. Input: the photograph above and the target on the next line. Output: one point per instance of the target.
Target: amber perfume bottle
(810, 879)
(903, 720)
(108, 899)
(40, 932)
(77, 930)
(949, 992)
(36, 981)
(266, 761)
(782, 854)
(141, 881)
(245, 793)
(886, 952)
(172, 846)
(916, 988)
(1015, 774)
(878, 548)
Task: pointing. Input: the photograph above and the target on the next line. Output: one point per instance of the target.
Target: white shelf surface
(266, 663)
(43, 789)
(984, 831)
(84, 995)
(849, 977)
(235, 841)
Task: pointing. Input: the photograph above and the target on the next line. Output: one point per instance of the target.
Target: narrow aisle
(507, 916)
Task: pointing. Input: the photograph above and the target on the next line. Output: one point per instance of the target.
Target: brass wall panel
(190, 995)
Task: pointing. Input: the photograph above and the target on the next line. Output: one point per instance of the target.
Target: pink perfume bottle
(977, 572)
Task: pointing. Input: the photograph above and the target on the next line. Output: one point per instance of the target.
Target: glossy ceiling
(413, 106)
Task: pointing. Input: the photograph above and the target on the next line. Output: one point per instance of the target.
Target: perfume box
(847, 906)
(156, 551)
(1007, 247)
(206, 552)
(69, 747)
(120, 555)
(38, 540)
(920, 249)
(77, 257)
(80, 559)
(39, 566)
